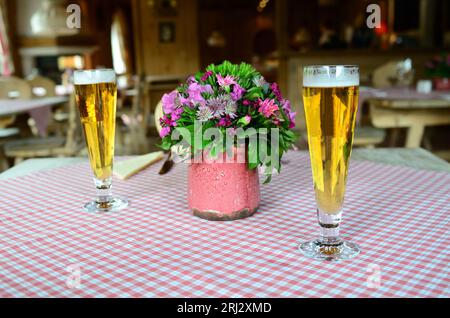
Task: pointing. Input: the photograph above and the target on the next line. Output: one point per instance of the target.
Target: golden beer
(97, 107)
(330, 118)
(96, 95)
(330, 98)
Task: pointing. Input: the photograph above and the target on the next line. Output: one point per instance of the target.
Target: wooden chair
(49, 146)
(40, 87)
(392, 73)
(11, 87)
(368, 137)
(132, 121)
(158, 115)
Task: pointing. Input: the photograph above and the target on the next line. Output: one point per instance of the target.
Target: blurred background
(154, 44)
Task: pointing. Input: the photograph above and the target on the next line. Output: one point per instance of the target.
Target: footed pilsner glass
(96, 95)
(330, 98)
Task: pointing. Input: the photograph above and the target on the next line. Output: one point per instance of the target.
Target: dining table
(397, 209)
(404, 107)
(38, 108)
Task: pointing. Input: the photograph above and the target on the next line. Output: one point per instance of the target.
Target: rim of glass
(95, 70)
(346, 66)
(94, 76)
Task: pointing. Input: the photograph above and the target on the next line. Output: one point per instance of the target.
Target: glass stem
(329, 227)
(104, 193)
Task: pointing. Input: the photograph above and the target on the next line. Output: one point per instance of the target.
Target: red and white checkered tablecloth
(51, 248)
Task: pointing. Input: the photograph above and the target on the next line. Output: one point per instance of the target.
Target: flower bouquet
(227, 121)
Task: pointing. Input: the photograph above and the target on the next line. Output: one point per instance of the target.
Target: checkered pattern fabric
(155, 248)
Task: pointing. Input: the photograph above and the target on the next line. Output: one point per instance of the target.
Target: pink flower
(168, 102)
(237, 92)
(231, 131)
(225, 81)
(224, 122)
(166, 121)
(164, 132)
(244, 121)
(276, 91)
(267, 107)
(246, 102)
(206, 76)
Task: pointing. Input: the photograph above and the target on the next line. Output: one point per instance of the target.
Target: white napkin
(126, 168)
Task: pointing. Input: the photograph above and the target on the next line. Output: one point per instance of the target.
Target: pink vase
(222, 191)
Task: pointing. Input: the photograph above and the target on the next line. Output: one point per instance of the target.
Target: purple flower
(237, 92)
(204, 113)
(286, 106)
(206, 75)
(191, 79)
(168, 102)
(291, 116)
(276, 91)
(230, 107)
(225, 81)
(185, 101)
(176, 114)
(267, 107)
(196, 90)
(164, 132)
(217, 105)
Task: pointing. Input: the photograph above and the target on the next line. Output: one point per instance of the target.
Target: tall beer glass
(96, 96)
(330, 98)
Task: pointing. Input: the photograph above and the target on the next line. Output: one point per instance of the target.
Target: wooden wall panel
(155, 58)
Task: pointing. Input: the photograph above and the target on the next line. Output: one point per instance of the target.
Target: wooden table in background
(38, 108)
(406, 108)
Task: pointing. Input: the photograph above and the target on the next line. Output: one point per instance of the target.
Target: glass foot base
(329, 252)
(115, 204)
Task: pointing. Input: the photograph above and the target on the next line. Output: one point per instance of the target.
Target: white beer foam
(84, 77)
(330, 76)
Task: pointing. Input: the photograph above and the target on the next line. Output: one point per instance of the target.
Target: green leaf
(254, 93)
(252, 157)
(166, 143)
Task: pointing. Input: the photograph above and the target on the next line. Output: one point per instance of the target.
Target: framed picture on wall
(166, 32)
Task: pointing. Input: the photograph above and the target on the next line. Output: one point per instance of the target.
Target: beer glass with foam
(330, 99)
(96, 96)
